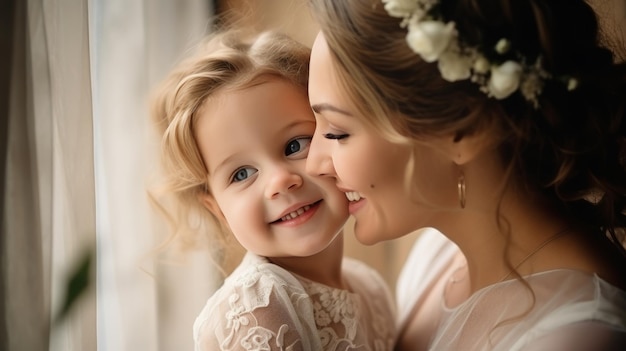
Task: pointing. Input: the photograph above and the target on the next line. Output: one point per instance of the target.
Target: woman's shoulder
(579, 296)
(552, 299)
(574, 310)
(582, 312)
(545, 309)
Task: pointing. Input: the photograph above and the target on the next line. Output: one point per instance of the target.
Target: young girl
(501, 123)
(236, 128)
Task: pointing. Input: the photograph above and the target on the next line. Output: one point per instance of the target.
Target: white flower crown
(435, 40)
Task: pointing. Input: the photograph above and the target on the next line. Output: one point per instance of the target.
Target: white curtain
(48, 217)
(77, 156)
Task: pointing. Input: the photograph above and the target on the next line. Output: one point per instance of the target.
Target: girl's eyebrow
(319, 108)
(225, 161)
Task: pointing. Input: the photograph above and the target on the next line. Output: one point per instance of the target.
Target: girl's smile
(298, 216)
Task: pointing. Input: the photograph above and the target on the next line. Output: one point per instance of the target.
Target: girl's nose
(282, 181)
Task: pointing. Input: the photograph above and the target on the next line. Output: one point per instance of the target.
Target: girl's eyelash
(248, 172)
(335, 136)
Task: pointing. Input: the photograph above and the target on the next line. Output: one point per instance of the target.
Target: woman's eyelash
(335, 136)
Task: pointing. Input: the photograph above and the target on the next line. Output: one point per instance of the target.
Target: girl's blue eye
(335, 136)
(242, 174)
(298, 145)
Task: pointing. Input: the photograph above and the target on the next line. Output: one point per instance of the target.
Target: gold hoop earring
(461, 189)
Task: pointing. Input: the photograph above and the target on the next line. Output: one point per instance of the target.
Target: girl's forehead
(244, 120)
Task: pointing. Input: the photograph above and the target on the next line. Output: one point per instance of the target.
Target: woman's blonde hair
(227, 60)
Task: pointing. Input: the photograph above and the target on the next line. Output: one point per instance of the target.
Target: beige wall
(289, 16)
(292, 17)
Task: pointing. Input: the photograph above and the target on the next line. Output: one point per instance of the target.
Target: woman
(500, 124)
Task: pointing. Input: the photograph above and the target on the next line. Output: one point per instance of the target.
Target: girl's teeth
(296, 213)
(353, 196)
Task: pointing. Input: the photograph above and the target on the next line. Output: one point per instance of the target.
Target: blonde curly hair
(227, 60)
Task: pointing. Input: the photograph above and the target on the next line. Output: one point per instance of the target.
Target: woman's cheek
(349, 168)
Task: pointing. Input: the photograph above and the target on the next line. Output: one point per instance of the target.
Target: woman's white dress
(261, 306)
(568, 310)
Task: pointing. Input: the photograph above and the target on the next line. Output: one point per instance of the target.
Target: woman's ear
(463, 149)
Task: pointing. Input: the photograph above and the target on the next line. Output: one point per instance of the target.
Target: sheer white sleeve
(558, 310)
(257, 308)
(583, 336)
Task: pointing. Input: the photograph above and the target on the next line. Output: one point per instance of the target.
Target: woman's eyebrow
(319, 108)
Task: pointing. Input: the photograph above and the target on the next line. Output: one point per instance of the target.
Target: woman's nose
(319, 161)
(282, 181)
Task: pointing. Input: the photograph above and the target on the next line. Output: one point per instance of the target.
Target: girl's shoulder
(254, 280)
(258, 300)
(255, 269)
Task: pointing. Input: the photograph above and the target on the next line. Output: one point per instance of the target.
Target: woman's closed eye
(333, 136)
(242, 174)
(298, 147)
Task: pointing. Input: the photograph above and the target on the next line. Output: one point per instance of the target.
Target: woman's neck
(522, 235)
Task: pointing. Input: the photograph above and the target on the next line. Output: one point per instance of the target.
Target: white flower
(572, 84)
(481, 65)
(504, 79)
(430, 38)
(435, 40)
(455, 66)
(400, 8)
(531, 87)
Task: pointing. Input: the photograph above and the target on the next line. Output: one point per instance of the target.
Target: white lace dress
(571, 311)
(261, 306)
